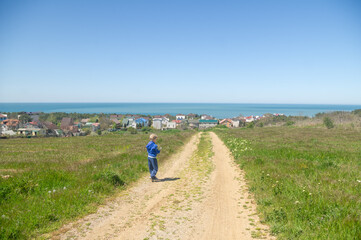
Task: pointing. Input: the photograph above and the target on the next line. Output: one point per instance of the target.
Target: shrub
(250, 125)
(290, 123)
(132, 130)
(328, 122)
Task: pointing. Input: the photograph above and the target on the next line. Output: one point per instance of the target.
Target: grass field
(54, 180)
(307, 181)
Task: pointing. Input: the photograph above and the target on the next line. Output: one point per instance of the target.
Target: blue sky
(181, 51)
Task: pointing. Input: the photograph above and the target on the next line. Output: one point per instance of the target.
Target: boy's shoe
(154, 179)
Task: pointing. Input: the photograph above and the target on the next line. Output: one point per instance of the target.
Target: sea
(218, 110)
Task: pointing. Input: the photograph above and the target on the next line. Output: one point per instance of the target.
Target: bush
(110, 177)
(250, 125)
(132, 130)
(328, 122)
(290, 123)
(99, 132)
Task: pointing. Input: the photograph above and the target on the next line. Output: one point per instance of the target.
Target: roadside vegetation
(46, 182)
(307, 181)
(338, 119)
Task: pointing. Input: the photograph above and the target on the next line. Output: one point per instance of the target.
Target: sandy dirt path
(202, 196)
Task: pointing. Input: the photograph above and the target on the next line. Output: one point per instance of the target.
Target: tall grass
(53, 180)
(307, 181)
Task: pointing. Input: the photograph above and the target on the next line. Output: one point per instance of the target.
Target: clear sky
(258, 51)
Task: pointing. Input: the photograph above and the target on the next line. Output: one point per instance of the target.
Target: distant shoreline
(218, 110)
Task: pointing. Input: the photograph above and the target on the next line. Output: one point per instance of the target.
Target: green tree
(24, 118)
(328, 122)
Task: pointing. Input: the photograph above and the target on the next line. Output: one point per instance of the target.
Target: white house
(180, 116)
(157, 123)
(165, 121)
(235, 123)
(171, 125)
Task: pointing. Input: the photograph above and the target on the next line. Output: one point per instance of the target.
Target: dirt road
(201, 195)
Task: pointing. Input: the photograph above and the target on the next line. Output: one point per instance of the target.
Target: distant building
(191, 116)
(142, 122)
(31, 131)
(12, 124)
(193, 123)
(205, 123)
(206, 117)
(180, 117)
(226, 122)
(235, 122)
(171, 125)
(85, 120)
(3, 117)
(67, 125)
(157, 124)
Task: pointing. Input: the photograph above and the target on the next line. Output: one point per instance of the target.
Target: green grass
(307, 181)
(54, 180)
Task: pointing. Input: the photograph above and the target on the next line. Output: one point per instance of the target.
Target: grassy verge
(48, 181)
(307, 181)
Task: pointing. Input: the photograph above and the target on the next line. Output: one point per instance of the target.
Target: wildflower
(267, 175)
(49, 192)
(64, 188)
(95, 166)
(303, 190)
(54, 190)
(310, 194)
(276, 181)
(359, 181)
(3, 216)
(297, 202)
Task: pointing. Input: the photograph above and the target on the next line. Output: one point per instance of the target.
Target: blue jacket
(152, 149)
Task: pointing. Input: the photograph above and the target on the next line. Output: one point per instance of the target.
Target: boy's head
(153, 137)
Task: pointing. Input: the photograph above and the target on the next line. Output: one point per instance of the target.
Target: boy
(152, 149)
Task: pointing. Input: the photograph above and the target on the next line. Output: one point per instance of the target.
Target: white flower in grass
(3, 216)
(64, 188)
(297, 202)
(54, 190)
(49, 192)
(310, 194)
(359, 181)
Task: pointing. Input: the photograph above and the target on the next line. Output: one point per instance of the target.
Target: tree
(328, 122)
(25, 118)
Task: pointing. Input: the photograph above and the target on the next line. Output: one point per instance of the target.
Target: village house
(206, 117)
(177, 122)
(157, 124)
(235, 122)
(171, 125)
(12, 124)
(207, 123)
(67, 125)
(3, 117)
(49, 128)
(249, 119)
(180, 117)
(226, 122)
(132, 123)
(191, 116)
(33, 131)
(84, 121)
(115, 120)
(95, 126)
(193, 123)
(142, 121)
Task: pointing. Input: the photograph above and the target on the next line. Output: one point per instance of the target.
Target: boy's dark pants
(153, 166)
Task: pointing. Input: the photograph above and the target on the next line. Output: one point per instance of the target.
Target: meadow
(306, 181)
(46, 182)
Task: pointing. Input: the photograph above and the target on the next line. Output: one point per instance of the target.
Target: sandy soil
(195, 199)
